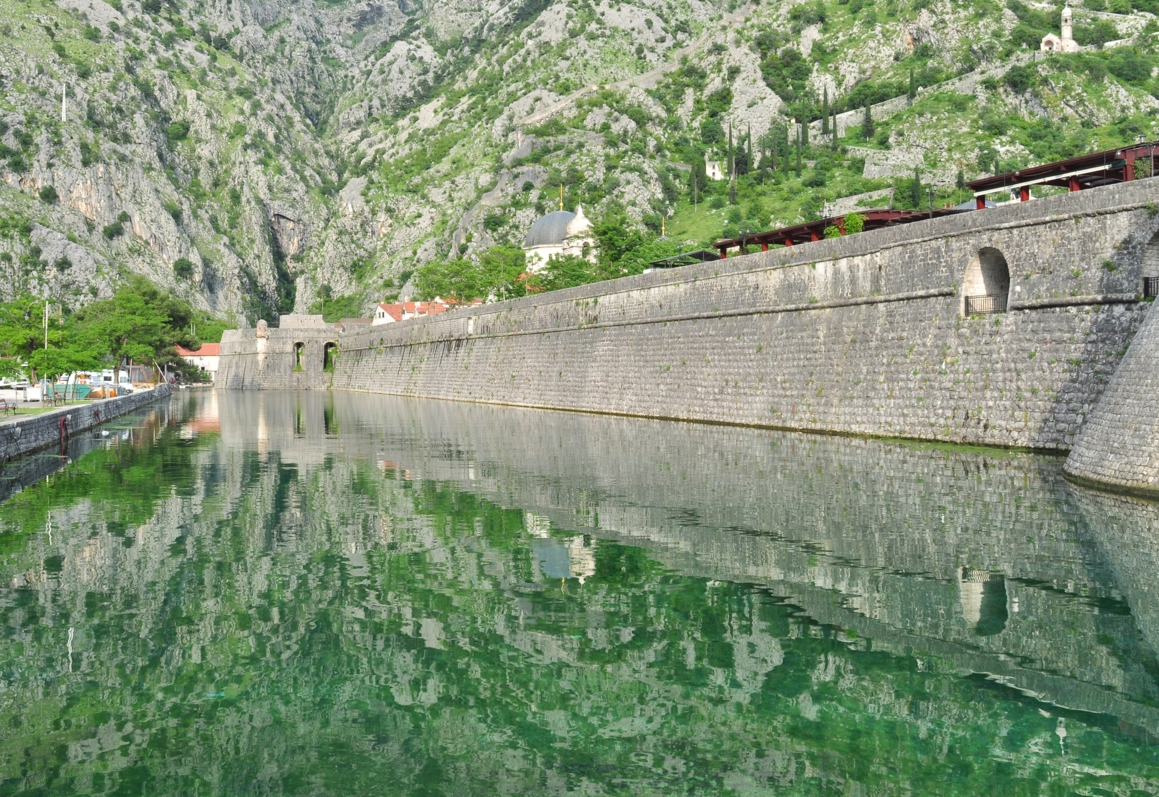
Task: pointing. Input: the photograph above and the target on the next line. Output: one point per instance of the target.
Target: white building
(205, 358)
(559, 233)
(1065, 43)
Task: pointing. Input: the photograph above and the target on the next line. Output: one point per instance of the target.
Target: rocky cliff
(253, 155)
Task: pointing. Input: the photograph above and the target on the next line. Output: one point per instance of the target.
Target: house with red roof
(404, 311)
(205, 358)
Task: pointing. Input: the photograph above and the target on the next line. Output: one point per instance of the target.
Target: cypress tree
(867, 124)
(913, 86)
(825, 112)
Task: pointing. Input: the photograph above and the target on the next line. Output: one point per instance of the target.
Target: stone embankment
(868, 334)
(25, 434)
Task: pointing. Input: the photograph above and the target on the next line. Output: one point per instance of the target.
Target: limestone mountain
(255, 156)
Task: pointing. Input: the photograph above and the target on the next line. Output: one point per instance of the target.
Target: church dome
(550, 230)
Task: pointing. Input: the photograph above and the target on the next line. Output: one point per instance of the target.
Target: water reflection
(311, 593)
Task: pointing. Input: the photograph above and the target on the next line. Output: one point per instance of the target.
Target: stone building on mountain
(1065, 43)
(559, 233)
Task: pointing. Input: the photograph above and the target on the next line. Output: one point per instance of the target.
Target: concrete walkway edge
(23, 435)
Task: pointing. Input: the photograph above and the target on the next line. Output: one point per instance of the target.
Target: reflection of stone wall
(291, 588)
(878, 537)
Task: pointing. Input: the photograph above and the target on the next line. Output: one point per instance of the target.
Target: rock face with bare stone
(287, 148)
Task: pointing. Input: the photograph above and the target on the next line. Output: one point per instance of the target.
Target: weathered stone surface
(21, 436)
(863, 334)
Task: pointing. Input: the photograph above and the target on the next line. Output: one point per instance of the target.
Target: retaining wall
(863, 334)
(24, 435)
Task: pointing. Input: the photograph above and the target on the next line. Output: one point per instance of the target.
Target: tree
(615, 238)
(48, 195)
(22, 333)
(495, 276)
(854, 223)
(563, 271)
(825, 112)
(915, 190)
(501, 268)
(136, 323)
(698, 181)
(913, 86)
(867, 124)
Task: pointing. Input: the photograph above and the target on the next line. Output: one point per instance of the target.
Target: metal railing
(1150, 286)
(985, 305)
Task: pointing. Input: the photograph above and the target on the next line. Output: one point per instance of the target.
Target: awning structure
(1074, 174)
(815, 230)
(685, 259)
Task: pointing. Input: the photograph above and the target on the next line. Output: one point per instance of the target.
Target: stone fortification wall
(25, 434)
(862, 334)
(1119, 445)
(291, 356)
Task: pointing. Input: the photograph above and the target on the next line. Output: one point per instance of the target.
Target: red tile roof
(206, 350)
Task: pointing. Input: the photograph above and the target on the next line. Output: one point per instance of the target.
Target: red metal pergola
(815, 230)
(1074, 174)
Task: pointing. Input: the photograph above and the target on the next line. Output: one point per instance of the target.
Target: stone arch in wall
(329, 351)
(1151, 267)
(299, 350)
(986, 287)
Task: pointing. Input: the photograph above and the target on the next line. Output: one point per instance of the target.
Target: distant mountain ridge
(253, 156)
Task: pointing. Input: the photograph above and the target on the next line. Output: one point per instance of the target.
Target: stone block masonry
(865, 334)
(26, 434)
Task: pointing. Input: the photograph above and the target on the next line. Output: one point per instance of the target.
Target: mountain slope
(253, 156)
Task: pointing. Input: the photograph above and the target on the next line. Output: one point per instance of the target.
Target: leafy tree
(854, 223)
(138, 322)
(177, 131)
(563, 271)
(711, 132)
(183, 267)
(48, 195)
(616, 237)
(496, 275)
(1128, 65)
(1020, 78)
(22, 333)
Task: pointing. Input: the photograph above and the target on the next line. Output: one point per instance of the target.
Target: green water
(340, 594)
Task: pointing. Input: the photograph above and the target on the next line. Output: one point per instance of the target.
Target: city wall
(864, 334)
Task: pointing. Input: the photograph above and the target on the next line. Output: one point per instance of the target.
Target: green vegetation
(440, 126)
(137, 323)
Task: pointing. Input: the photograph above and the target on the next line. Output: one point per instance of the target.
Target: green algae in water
(451, 599)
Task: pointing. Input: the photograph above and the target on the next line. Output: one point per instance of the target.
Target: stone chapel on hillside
(1065, 44)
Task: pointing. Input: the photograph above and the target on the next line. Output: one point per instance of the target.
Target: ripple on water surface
(309, 593)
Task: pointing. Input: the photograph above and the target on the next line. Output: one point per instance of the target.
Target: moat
(336, 593)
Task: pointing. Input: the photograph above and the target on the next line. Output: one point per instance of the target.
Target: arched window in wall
(299, 350)
(986, 288)
(1151, 267)
(328, 354)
